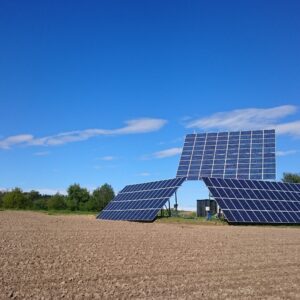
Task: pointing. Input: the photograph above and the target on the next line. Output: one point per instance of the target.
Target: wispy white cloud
(173, 141)
(108, 158)
(144, 174)
(15, 140)
(142, 125)
(251, 118)
(99, 167)
(42, 153)
(286, 152)
(167, 153)
(290, 128)
(96, 167)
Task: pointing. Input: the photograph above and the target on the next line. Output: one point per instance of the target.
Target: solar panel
(140, 202)
(254, 201)
(240, 154)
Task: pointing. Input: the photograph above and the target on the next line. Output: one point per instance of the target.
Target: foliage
(41, 203)
(16, 199)
(78, 199)
(1, 198)
(101, 197)
(57, 202)
(33, 196)
(291, 177)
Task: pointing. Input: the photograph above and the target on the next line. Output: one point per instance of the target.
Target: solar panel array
(141, 202)
(240, 154)
(254, 201)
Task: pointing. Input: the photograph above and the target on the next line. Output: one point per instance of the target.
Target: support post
(176, 204)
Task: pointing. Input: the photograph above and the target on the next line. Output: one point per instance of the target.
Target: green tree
(1, 198)
(16, 199)
(77, 197)
(33, 195)
(101, 197)
(291, 177)
(57, 202)
(41, 203)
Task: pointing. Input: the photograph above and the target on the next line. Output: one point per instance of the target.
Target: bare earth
(78, 257)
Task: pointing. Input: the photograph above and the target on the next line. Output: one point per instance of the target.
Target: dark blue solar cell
(221, 203)
(245, 216)
(296, 216)
(237, 216)
(229, 216)
(260, 216)
(267, 216)
(229, 192)
(259, 204)
(293, 206)
(274, 216)
(266, 205)
(245, 205)
(229, 204)
(288, 217)
(282, 217)
(237, 204)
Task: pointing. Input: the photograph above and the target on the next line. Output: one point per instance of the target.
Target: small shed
(202, 205)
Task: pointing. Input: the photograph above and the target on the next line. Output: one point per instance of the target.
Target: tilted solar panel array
(240, 154)
(254, 201)
(141, 202)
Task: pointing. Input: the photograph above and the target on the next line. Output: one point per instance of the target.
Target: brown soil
(78, 257)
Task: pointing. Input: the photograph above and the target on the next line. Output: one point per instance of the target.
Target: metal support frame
(176, 204)
(168, 208)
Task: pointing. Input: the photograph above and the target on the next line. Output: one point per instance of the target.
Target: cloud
(291, 128)
(97, 167)
(15, 140)
(42, 153)
(287, 152)
(167, 153)
(173, 141)
(108, 158)
(144, 174)
(142, 125)
(251, 118)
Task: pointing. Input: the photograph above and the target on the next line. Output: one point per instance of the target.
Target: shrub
(57, 202)
(16, 199)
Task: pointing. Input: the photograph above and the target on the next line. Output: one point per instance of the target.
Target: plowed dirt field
(79, 257)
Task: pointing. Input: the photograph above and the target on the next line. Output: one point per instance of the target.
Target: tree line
(291, 177)
(77, 199)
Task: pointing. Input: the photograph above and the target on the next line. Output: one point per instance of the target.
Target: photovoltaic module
(141, 202)
(256, 201)
(240, 154)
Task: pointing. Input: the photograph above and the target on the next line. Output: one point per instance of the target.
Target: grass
(54, 212)
(195, 221)
(70, 212)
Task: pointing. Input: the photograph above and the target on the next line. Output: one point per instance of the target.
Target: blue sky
(105, 91)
